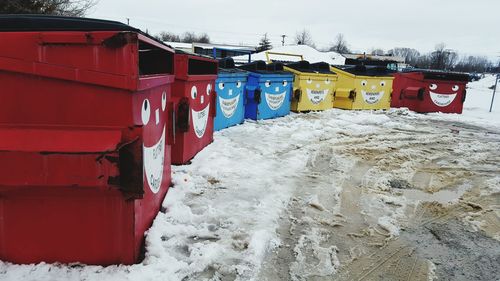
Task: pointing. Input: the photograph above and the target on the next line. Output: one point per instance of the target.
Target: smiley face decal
(228, 95)
(275, 93)
(442, 99)
(316, 92)
(153, 147)
(200, 109)
(372, 91)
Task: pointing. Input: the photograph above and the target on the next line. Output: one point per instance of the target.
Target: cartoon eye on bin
(267, 84)
(309, 81)
(382, 83)
(145, 111)
(328, 81)
(455, 88)
(433, 86)
(163, 100)
(209, 89)
(194, 92)
(364, 83)
(221, 86)
(285, 83)
(238, 84)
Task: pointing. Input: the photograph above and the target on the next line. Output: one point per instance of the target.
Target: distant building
(208, 49)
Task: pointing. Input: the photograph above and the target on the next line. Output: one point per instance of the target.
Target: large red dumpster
(430, 91)
(84, 146)
(194, 97)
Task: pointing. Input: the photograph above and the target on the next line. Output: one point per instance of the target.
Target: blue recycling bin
(230, 87)
(268, 90)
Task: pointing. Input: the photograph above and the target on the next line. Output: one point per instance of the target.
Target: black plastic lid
(366, 70)
(302, 66)
(441, 75)
(322, 67)
(254, 66)
(59, 23)
(275, 66)
(226, 63)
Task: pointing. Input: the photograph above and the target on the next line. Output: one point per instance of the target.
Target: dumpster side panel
(230, 100)
(442, 96)
(313, 92)
(66, 224)
(200, 96)
(275, 96)
(372, 92)
(38, 101)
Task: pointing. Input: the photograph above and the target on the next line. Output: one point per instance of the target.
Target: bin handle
(214, 102)
(297, 94)
(464, 95)
(352, 95)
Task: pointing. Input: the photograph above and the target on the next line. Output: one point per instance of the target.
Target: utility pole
(128, 21)
(283, 40)
(494, 90)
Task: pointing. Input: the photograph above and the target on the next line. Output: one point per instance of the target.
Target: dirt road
(417, 200)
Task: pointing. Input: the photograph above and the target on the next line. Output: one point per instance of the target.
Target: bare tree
(203, 38)
(168, 37)
(377, 52)
(304, 38)
(340, 45)
(443, 58)
(410, 55)
(75, 8)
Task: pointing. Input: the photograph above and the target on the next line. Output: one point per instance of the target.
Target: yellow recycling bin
(313, 86)
(363, 87)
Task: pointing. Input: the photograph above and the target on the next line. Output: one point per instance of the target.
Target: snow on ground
(310, 54)
(220, 221)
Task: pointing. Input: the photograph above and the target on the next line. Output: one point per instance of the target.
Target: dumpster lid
(227, 65)
(366, 70)
(261, 67)
(305, 66)
(440, 74)
(59, 23)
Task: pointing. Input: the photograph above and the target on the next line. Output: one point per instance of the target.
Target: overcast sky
(467, 26)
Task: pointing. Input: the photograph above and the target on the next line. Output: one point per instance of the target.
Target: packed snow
(220, 220)
(308, 53)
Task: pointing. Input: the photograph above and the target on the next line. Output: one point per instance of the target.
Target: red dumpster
(194, 97)
(84, 145)
(430, 91)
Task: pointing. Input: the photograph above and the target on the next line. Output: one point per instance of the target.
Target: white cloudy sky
(468, 26)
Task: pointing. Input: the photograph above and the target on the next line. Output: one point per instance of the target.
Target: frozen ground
(335, 195)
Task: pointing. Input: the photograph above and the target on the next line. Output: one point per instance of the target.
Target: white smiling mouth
(372, 97)
(274, 101)
(442, 100)
(154, 158)
(228, 106)
(317, 96)
(200, 119)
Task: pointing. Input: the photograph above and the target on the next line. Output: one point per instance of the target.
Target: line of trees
(75, 8)
(443, 59)
(186, 37)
